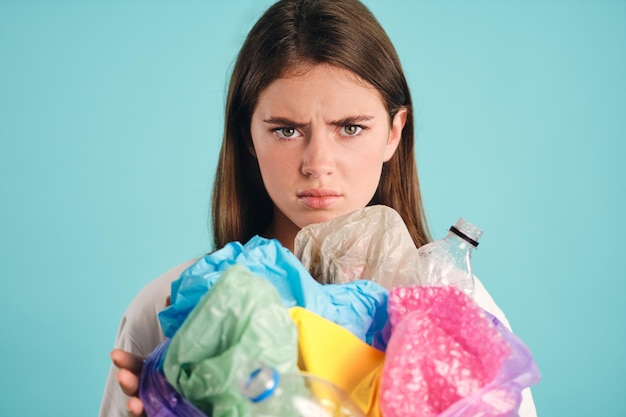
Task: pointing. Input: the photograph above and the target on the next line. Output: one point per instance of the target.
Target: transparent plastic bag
(296, 394)
(371, 244)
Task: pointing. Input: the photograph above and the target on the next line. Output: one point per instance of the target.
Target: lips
(318, 198)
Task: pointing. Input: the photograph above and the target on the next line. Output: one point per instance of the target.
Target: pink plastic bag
(447, 357)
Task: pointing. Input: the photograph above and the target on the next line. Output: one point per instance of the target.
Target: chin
(321, 217)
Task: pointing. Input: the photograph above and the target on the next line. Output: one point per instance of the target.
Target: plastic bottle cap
(267, 385)
(463, 236)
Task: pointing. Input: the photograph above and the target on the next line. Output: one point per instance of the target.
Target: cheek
(369, 158)
(276, 167)
(363, 174)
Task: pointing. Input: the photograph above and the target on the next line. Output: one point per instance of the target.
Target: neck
(282, 229)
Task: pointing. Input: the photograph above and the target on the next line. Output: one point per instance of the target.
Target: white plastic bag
(372, 243)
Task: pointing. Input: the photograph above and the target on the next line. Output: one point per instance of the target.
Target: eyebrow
(350, 120)
(283, 121)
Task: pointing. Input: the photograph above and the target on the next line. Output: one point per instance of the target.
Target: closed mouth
(318, 198)
(318, 193)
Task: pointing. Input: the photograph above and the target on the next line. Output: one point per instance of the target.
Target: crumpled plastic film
(372, 243)
(360, 306)
(240, 321)
(446, 357)
(159, 397)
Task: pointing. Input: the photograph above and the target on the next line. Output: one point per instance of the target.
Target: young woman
(318, 124)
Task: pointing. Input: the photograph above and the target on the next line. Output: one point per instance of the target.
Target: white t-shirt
(140, 333)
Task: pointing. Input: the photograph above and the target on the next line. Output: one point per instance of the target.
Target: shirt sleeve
(485, 301)
(139, 333)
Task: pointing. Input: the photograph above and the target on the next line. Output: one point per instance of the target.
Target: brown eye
(287, 132)
(351, 130)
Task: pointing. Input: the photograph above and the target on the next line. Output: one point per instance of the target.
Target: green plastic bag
(241, 320)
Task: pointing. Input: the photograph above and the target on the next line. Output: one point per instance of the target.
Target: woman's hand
(128, 377)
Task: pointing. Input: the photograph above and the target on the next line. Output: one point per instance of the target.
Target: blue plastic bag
(359, 306)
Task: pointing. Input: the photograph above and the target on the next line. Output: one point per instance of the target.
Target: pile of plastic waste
(356, 322)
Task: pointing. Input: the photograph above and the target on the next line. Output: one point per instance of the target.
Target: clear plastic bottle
(294, 395)
(447, 261)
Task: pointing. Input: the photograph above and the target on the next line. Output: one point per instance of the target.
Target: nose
(318, 158)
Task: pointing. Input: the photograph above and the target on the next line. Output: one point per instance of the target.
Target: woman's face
(321, 135)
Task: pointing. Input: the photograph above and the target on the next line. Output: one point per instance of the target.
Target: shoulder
(154, 294)
(482, 297)
(139, 330)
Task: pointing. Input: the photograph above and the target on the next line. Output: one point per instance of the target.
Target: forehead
(321, 84)
(302, 70)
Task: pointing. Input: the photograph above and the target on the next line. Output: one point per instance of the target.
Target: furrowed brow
(352, 120)
(283, 121)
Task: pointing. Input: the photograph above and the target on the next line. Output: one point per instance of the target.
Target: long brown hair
(343, 33)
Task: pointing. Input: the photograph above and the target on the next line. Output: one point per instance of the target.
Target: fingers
(129, 382)
(135, 407)
(128, 377)
(125, 360)
(130, 368)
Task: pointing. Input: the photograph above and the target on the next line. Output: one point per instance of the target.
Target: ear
(252, 150)
(395, 134)
(250, 146)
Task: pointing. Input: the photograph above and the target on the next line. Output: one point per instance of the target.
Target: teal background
(110, 123)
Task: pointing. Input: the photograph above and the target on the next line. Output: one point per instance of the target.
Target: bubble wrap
(442, 349)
